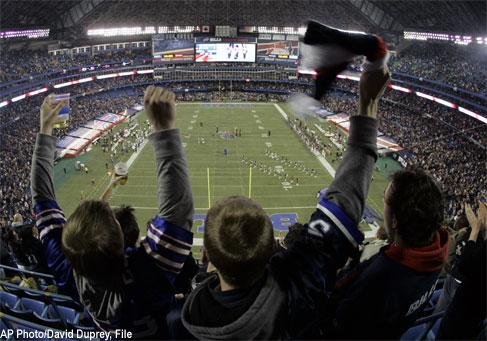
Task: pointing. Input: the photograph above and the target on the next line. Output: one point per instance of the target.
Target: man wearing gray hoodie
(257, 293)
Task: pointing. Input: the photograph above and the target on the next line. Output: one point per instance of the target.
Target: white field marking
(190, 128)
(261, 128)
(258, 121)
(193, 121)
(325, 164)
(320, 157)
(136, 154)
(302, 176)
(206, 208)
(268, 144)
(284, 115)
(320, 129)
(232, 103)
(256, 116)
(253, 111)
(195, 116)
(154, 186)
(264, 135)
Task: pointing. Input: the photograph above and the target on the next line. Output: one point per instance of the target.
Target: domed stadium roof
(451, 16)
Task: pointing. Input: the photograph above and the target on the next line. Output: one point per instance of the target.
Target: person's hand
(471, 217)
(477, 223)
(160, 107)
(50, 114)
(372, 86)
(116, 180)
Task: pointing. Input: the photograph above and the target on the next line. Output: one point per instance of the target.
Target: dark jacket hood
(258, 322)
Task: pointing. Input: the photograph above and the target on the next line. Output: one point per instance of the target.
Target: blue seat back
(7, 299)
(66, 314)
(28, 304)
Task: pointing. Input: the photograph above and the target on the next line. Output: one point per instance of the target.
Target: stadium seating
(432, 116)
(27, 308)
(423, 327)
(9, 322)
(8, 300)
(40, 309)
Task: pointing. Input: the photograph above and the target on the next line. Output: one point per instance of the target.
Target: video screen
(225, 52)
(277, 51)
(173, 50)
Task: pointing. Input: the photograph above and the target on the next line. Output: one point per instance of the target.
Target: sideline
(320, 157)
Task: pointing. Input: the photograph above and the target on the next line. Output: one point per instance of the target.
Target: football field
(232, 149)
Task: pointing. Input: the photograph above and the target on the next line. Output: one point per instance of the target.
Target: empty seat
(67, 302)
(8, 300)
(12, 322)
(26, 308)
(68, 315)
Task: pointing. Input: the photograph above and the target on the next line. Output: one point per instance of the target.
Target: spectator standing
(134, 290)
(255, 296)
(395, 285)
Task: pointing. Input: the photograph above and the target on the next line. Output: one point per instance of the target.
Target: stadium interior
(235, 69)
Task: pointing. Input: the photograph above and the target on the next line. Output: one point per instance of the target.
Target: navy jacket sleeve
(340, 209)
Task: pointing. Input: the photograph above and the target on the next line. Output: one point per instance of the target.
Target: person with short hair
(86, 253)
(395, 285)
(130, 228)
(257, 293)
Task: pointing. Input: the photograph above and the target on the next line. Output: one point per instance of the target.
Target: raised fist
(160, 107)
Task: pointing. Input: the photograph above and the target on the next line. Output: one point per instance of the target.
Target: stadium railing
(23, 274)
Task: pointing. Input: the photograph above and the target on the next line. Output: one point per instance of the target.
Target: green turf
(213, 175)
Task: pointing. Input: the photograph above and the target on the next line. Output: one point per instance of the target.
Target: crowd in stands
(298, 278)
(16, 64)
(449, 145)
(17, 137)
(461, 67)
(314, 284)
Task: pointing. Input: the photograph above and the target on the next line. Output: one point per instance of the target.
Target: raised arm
(44, 152)
(49, 216)
(169, 238)
(350, 187)
(174, 194)
(343, 204)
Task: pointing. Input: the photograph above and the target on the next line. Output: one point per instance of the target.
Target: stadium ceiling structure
(376, 15)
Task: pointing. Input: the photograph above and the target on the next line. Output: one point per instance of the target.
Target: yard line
(154, 185)
(250, 182)
(135, 155)
(209, 193)
(277, 195)
(232, 103)
(206, 208)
